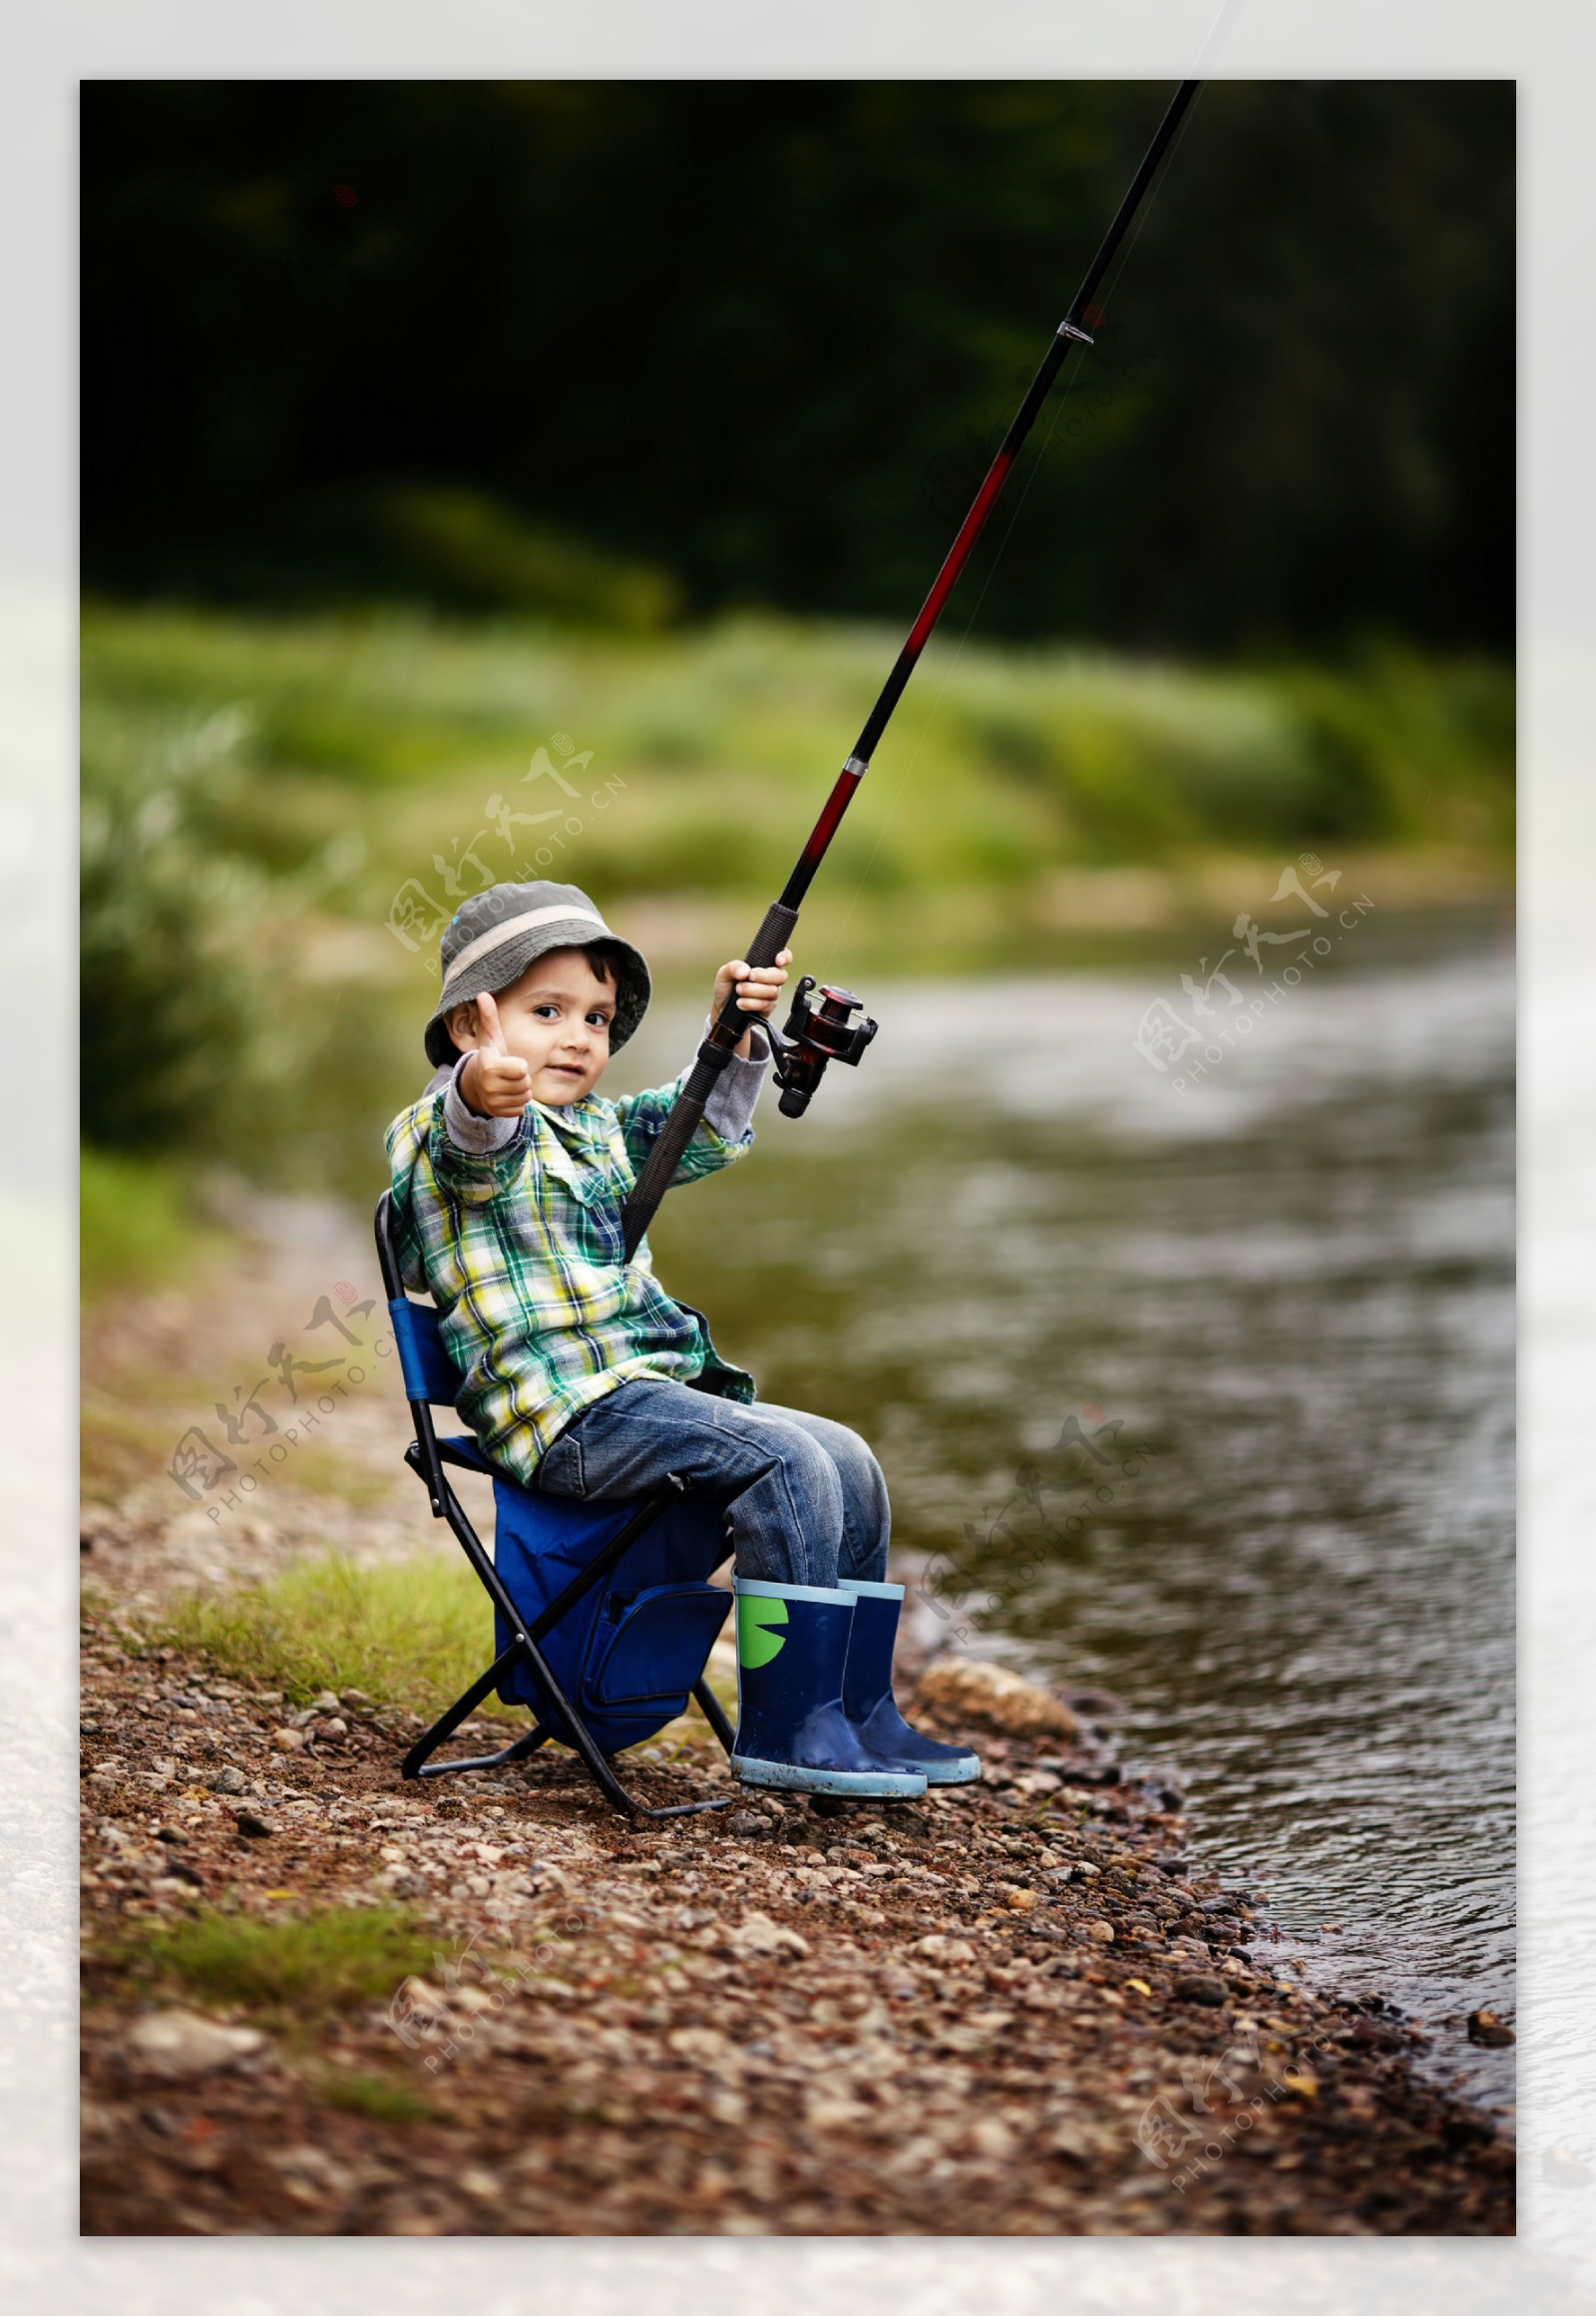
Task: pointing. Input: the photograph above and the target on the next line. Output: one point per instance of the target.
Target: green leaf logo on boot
(756, 1644)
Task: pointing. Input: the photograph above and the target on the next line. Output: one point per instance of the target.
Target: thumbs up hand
(495, 1082)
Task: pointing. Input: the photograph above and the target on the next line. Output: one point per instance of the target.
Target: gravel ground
(1019, 2008)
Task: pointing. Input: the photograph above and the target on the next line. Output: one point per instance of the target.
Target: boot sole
(880, 1783)
(952, 1772)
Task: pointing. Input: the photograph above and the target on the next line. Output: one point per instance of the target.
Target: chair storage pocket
(657, 1647)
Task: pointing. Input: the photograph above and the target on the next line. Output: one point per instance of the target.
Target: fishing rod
(818, 1033)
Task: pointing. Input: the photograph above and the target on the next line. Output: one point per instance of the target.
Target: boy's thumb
(488, 1015)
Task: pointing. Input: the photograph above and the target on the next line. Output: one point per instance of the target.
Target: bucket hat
(493, 938)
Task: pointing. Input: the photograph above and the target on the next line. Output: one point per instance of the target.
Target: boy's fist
(757, 988)
(495, 1082)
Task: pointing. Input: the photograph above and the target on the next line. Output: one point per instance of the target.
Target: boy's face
(556, 1019)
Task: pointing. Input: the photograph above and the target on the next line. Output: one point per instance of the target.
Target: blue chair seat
(602, 1613)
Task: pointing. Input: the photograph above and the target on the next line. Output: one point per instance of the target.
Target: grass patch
(409, 1632)
(298, 1971)
(381, 2097)
(137, 1225)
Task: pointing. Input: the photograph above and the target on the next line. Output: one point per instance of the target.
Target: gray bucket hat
(493, 938)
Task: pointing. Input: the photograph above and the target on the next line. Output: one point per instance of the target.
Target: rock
(253, 1828)
(180, 2045)
(1487, 2028)
(1022, 1901)
(1100, 1933)
(228, 1781)
(288, 1740)
(940, 1948)
(757, 1934)
(326, 1702)
(967, 1689)
(1201, 1986)
(748, 1826)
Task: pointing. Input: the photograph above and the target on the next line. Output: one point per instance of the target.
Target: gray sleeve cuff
(466, 1130)
(730, 1107)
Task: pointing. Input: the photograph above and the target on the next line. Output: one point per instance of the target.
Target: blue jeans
(807, 1498)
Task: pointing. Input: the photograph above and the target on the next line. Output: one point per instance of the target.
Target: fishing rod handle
(682, 1123)
(767, 945)
(686, 1114)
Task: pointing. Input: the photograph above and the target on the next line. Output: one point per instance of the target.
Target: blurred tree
(758, 340)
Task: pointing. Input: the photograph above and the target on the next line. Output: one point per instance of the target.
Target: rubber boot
(868, 1698)
(792, 1732)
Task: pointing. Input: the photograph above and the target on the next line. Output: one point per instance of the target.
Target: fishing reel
(813, 1034)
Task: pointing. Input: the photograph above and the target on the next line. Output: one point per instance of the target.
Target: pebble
(255, 1828)
(968, 1689)
(1487, 2028)
(288, 1740)
(228, 1781)
(179, 2045)
(1201, 1988)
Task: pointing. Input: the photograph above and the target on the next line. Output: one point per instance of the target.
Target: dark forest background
(630, 352)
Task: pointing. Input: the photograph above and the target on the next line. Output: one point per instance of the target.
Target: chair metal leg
(516, 1752)
(708, 1705)
(597, 1765)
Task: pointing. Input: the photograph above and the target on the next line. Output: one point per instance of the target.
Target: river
(1207, 1391)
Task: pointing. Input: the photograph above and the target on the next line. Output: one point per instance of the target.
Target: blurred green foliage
(262, 796)
(607, 351)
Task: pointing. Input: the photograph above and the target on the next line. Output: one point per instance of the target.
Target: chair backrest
(430, 1376)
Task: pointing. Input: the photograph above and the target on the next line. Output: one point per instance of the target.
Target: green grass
(395, 729)
(411, 1633)
(298, 1971)
(275, 809)
(137, 1225)
(380, 2098)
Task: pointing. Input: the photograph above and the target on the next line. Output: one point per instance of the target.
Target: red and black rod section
(782, 916)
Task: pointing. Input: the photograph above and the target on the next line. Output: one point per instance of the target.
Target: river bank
(1022, 2008)
(1032, 2006)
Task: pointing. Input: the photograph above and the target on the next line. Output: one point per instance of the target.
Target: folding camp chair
(602, 1619)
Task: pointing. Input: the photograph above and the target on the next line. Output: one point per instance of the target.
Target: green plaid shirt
(521, 1251)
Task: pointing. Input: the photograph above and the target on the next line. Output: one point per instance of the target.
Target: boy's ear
(462, 1027)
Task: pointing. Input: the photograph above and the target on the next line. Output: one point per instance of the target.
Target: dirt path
(1022, 2008)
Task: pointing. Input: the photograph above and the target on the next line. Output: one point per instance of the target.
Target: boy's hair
(603, 962)
(601, 959)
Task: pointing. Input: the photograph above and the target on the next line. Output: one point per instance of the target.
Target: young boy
(583, 1378)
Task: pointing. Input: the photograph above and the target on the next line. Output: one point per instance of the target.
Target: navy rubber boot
(868, 1698)
(792, 1732)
